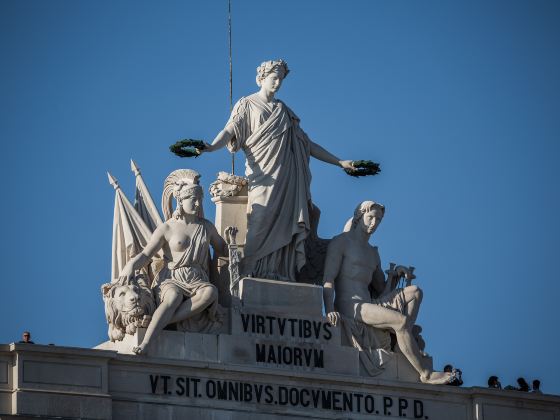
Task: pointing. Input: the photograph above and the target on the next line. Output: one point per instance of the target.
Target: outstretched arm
(318, 152)
(220, 141)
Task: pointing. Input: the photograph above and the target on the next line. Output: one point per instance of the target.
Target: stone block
(57, 373)
(155, 411)
(201, 347)
(167, 345)
(395, 367)
(131, 380)
(342, 360)
(170, 345)
(143, 411)
(294, 299)
(232, 211)
(3, 372)
(279, 354)
(499, 411)
(5, 402)
(151, 388)
(125, 410)
(50, 404)
(239, 350)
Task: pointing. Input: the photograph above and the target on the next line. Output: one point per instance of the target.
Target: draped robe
(277, 154)
(188, 275)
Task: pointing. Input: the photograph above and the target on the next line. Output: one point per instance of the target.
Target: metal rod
(230, 81)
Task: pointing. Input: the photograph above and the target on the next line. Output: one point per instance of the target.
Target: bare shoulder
(161, 232)
(339, 241)
(164, 227)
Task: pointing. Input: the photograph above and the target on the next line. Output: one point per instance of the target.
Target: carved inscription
(285, 327)
(291, 356)
(300, 339)
(292, 396)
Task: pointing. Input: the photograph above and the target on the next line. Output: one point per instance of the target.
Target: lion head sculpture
(127, 307)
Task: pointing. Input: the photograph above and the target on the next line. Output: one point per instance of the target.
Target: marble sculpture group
(162, 268)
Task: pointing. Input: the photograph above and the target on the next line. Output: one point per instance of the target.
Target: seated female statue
(182, 288)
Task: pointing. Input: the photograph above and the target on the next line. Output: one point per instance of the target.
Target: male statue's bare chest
(362, 260)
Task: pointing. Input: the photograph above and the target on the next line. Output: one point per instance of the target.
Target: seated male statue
(365, 298)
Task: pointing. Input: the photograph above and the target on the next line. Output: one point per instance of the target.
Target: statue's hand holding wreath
(207, 148)
(358, 168)
(347, 164)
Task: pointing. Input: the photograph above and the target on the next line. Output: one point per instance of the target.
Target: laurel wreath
(363, 168)
(187, 147)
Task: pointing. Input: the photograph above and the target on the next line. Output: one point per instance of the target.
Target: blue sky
(457, 100)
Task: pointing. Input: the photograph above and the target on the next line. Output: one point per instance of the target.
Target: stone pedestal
(230, 211)
(277, 325)
(276, 358)
(280, 325)
(47, 382)
(50, 381)
(281, 297)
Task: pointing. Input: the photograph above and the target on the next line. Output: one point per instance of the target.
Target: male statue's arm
(318, 152)
(333, 264)
(139, 261)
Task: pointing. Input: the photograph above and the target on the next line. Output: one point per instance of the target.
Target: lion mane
(127, 306)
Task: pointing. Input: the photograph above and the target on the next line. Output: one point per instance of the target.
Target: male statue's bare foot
(141, 349)
(437, 378)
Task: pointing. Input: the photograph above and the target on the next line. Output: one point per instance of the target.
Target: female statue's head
(183, 185)
(271, 73)
(367, 215)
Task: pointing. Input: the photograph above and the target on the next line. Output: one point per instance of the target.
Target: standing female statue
(277, 152)
(182, 287)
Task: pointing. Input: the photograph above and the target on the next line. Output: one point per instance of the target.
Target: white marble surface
(279, 177)
(50, 381)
